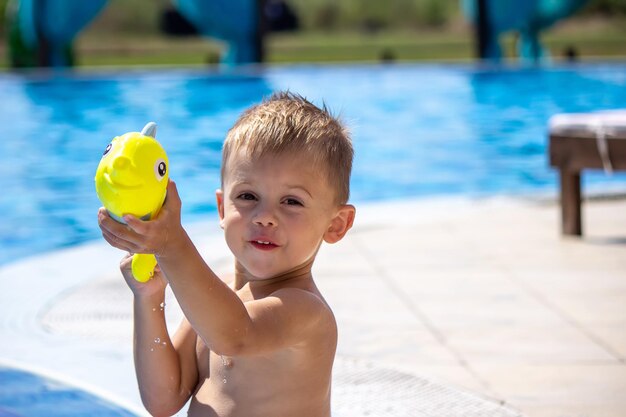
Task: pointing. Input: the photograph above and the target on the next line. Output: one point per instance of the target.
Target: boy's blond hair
(288, 123)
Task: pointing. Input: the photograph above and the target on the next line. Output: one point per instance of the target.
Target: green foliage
(142, 16)
(127, 33)
(371, 15)
(435, 13)
(3, 7)
(606, 7)
(130, 16)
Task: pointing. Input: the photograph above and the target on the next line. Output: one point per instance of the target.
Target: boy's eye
(292, 202)
(246, 196)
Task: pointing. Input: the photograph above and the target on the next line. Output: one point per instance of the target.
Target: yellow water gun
(132, 179)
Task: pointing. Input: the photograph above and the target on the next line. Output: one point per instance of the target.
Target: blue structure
(527, 17)
(42, 31)
(235, 21)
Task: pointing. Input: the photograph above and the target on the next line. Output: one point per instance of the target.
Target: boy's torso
(294, 381)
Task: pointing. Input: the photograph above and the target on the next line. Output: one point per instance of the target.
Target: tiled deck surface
(480, 294)
(489, 296)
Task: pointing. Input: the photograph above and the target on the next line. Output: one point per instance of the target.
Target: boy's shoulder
(287, 317)
(307, 304)
(305, 296)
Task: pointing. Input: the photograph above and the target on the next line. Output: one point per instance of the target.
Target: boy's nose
(264, 217)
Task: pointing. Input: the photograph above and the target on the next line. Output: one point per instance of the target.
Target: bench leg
(570, 203)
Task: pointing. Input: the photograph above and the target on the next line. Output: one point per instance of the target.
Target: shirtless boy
(264, 344)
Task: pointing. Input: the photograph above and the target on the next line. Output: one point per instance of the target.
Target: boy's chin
(257, 273)
(269, 271)
(262, 274)
(267, 274)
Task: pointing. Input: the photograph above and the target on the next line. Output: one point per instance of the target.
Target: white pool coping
(31, 285)
(105, 368)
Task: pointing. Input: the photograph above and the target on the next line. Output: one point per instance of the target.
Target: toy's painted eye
(107, 149)
(160, 169)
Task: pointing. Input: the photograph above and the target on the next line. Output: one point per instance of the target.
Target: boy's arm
(231, 327)
(219, 317)
(166, 371)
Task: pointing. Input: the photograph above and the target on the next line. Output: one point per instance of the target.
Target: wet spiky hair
(287, 123)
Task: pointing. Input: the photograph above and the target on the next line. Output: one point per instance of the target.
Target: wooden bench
(584, 141)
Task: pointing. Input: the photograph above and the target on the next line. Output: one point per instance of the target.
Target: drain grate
(102, 310)
(362, 390)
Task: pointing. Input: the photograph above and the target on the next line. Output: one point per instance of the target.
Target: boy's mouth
(263, 244)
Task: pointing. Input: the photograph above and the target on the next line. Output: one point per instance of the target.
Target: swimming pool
(25, 394)
(418, 131)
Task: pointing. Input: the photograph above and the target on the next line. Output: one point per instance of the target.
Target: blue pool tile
(24, 394)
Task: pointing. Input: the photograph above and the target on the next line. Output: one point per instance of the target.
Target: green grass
(589, 46)
(132, 50)
(592, 39)
(351, 46)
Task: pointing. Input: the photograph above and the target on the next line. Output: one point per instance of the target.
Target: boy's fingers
(116, 228)
(103, 215)
(171, 187)
(136, 224)
(120, 232)
(126, 262)
(172, 196)
(118, 242)
(111, 227)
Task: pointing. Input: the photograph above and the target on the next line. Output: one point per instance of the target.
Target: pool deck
(481, 294)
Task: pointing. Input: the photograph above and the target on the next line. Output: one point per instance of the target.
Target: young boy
(265, 344)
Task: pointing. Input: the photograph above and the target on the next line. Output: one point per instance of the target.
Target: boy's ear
(219, 196)
(340, 224)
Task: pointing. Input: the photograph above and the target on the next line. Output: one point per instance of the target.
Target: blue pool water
(418, 131)
(24, 394)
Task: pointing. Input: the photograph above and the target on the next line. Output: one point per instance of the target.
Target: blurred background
(145, 32)
(475, 129)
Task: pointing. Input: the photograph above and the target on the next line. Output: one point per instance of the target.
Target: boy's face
(275, 212)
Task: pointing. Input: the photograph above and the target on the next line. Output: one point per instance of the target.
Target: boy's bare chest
(245, 385)
(213, 366)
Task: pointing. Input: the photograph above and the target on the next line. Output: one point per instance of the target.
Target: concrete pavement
(483, 294)
(487, 295)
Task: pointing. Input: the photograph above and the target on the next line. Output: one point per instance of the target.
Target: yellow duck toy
(132, 179)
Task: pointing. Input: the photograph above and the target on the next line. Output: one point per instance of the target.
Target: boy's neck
(299, 273)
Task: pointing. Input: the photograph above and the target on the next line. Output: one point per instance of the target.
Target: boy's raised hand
(145, 236)
(155, 286)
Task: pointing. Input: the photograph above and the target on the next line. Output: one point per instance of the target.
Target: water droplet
(226, 361)
(224, 380)
(162, 306)
(157, 340)
(151, 349)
